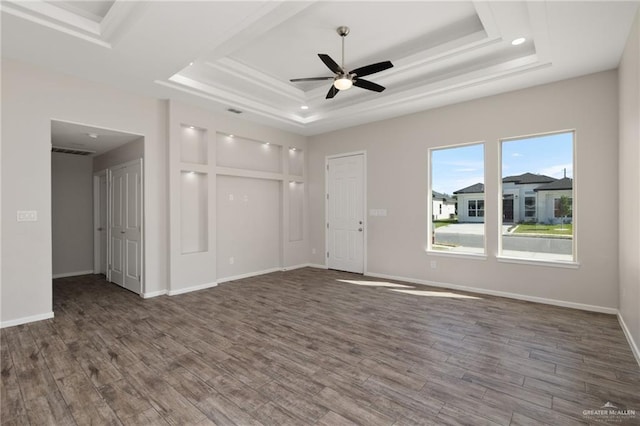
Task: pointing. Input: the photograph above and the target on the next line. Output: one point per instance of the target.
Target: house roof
(440, 196)
(528, 178)
(477, 188)
(564, 183)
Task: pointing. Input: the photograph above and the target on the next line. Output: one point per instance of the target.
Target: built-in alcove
(193, 145)
(194, 212)
(296, 161)
(242, 153)
(296, 210)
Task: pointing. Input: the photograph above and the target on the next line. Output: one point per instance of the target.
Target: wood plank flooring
(311, 347)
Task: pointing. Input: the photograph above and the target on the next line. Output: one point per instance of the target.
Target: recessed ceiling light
(230, 136)
(292, 149)
(192, 127)
(266, 143)
(92, 135)
(304, 107)
(190, 63)
(518, 41)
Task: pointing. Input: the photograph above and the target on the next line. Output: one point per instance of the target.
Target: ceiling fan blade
(372, 69)
(330, 63)
(295, 80)
(369, 85)
(332, 92)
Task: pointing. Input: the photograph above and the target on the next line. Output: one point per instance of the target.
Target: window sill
(536, 262)
(461, 255)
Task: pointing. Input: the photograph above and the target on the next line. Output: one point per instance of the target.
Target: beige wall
(72, 214)
(31, 98)
(120, 155)
(629, 189)
(396, 181)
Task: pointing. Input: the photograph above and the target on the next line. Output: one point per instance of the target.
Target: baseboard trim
(73, 274)
(248, 275)
(26, 320)
(151, 294)
(554, 302)
(293, 267)
(627, 334)
(317, 265)
(190, 289)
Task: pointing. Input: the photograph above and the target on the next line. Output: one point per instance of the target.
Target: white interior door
(133, 229)
(117, 226)
(102, 223)
(126, 227)
(345, 213)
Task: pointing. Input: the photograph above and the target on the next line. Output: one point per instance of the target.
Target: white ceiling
(79, 137)
(245, 52)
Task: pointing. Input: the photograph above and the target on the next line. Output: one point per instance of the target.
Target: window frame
(430, 231)
(573, 263)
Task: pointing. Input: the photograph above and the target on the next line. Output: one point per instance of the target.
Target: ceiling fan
(343, 79)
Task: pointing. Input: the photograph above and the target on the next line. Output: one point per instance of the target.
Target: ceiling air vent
(73, 151)
(235, 111)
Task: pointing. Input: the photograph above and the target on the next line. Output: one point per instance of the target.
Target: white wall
(252, 246)
(248, 225)
(72, 214)
(629, 189)
(120, 155)
(397, 153)
(31, 98)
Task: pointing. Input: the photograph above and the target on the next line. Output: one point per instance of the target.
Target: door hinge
(327, 196)
(327, 254)
(327, 225)
(327, 167)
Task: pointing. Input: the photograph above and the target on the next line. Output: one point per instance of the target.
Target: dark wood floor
(309, 347)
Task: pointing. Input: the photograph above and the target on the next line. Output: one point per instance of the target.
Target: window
(537, 197)
(529, 208)
(456, 201)
(562, 207)
(476, 208)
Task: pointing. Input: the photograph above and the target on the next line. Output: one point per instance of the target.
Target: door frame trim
(97, 252)
(364, 205)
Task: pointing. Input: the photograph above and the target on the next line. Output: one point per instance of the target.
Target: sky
(456, 168)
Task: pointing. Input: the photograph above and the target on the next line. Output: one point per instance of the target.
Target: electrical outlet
(27, 216)
(231, 261)
(231, 197)
(434, 264)
(313, 251)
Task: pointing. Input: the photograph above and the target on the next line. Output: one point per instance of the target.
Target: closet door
(117, 224)
(126, 226)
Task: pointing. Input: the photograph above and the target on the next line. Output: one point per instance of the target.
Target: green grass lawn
(534, 228)
(444, 222)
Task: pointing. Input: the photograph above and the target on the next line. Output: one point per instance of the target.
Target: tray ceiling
(241, 55)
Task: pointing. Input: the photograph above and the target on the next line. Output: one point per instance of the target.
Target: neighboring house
(443, 206)
(471, 203)
(525, 198)
(548, 200)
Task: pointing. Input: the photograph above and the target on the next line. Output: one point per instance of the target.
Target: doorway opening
(97, 203)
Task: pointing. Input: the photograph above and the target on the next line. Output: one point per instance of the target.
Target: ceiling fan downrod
(343, 31)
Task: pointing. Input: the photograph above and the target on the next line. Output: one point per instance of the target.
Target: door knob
(360, 229)
(122, 232)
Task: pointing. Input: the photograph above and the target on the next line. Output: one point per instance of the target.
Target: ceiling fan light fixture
(343, 83)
